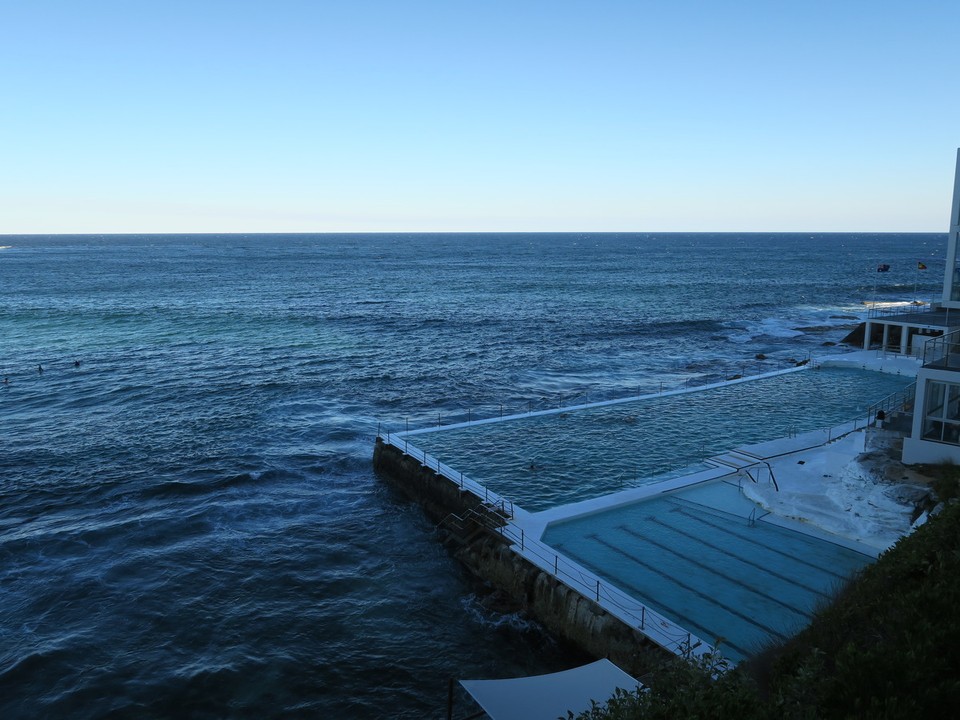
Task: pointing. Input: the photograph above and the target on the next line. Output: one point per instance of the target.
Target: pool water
(543, 461)
(698, 558)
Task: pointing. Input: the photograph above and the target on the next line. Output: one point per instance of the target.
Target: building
(935, 435)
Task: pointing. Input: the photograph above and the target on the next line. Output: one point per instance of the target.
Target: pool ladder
(743, 463)
(759, 465)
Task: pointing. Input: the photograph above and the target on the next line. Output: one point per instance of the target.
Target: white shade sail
(550, 696)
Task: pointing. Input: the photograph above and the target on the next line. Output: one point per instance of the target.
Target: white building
(935, 436)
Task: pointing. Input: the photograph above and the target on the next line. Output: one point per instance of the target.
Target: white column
(904, 337)
(952, 240)
(886, 336)
(867, 330)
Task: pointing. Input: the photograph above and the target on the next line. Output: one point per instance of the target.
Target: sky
(416, 116)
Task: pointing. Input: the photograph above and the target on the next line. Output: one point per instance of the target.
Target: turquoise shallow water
(695, 557)
(189, 522)
(547, 460)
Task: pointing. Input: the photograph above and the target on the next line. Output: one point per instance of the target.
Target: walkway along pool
(683, 559)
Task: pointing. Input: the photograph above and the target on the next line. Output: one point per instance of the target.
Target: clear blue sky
(355, 115)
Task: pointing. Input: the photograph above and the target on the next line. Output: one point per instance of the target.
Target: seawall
(472, 536)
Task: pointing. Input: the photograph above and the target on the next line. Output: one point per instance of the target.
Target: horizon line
(481, 232)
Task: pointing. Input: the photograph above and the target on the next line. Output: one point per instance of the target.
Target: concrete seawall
(473, 538)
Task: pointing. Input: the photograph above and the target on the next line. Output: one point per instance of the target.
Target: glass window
(932, 430)
(941, 421)
(935, 393)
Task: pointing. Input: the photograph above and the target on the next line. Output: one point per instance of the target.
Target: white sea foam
(769, 327)
(799, 323)
(482, 615)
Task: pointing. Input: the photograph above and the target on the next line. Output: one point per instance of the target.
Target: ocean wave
(767, 328)
(641, 329)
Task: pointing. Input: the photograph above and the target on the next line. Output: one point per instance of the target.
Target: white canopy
(550, 696)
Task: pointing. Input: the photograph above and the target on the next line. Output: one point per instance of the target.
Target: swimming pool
(700, 558)
(546, 460)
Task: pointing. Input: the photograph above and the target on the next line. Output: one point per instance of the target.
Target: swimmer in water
(76, 363)
(39, 368)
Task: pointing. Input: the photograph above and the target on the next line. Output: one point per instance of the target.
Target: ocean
(190, 525)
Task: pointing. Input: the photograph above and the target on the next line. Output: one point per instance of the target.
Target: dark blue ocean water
(189, 521)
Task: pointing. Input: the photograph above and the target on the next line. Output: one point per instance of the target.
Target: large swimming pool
(542, 461)
(702, 559)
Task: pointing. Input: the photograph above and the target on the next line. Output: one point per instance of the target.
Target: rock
(815, 328)
(907, 494)
(920, 520)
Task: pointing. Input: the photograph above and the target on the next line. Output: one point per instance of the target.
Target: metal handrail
(484, 494)
(907, 308)
(937, 351)
(895, 401)
(648, 622)
(756, 481)
(639, 616)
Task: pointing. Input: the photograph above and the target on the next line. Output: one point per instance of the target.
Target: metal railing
(943, 351)
(895, 402)
(627, 609)
(893, 350)
(759, 466)
(482, 493)
(635, 614)
(918, 308)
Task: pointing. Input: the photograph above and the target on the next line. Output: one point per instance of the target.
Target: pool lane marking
(772, 549)
(741, 558)
(679, 618)
(707, 568)
(689, 588)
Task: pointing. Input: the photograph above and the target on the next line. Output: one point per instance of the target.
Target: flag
(883, 268)
(921, 266)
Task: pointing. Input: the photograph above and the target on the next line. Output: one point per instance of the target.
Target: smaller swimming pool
(701, 558)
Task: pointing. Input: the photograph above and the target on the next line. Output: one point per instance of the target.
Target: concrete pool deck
(823, 490)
